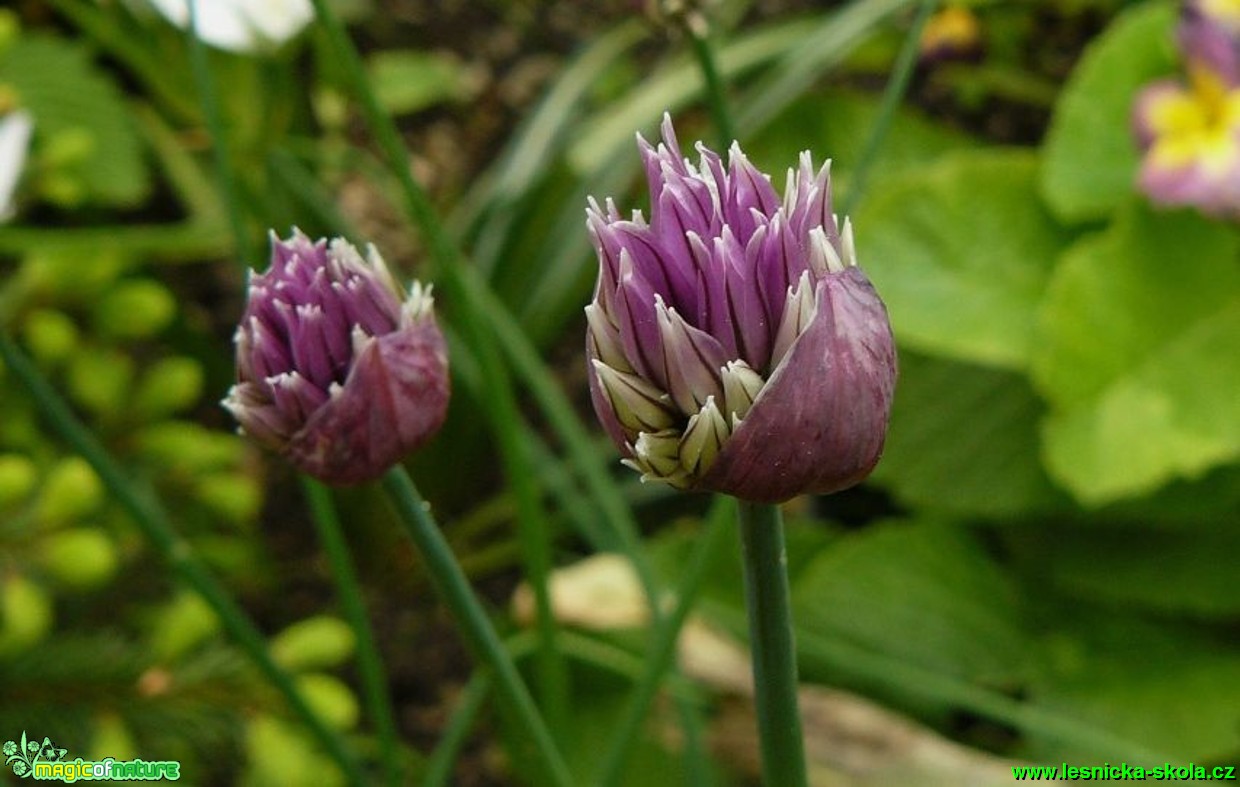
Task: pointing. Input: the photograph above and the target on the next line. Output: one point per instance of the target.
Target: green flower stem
(771, 642)
(370, 665)
(897, 86)
(660, 659)
(219, 139)
(154, 524)
(452, 584)
(499, 399)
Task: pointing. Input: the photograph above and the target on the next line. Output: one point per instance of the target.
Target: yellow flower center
(1201, 124)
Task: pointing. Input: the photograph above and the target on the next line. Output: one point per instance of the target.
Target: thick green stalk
(154, 524)
(499, 401)
(370, 665)
(660, 658)
(771, 643)
(897, 86)
(453, 586)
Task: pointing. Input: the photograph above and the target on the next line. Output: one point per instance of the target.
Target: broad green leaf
(1090, 157)
(1167, 687)
(964, 439)
(960, 251)
(81, 114)
(924, 593)
(1137, 351)
(1207, 503)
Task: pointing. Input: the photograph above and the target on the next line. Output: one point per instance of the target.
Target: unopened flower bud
(734, 345)
(337, 368)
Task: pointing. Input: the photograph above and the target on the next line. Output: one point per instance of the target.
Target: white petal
(240, 25)
(15, 130)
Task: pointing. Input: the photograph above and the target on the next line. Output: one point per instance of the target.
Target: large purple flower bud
(337, 368)
(734, 345)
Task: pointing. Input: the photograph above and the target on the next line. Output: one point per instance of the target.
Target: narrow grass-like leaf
(453, 586)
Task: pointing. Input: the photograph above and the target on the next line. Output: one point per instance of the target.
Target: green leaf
(964, 440)
(1127, 565)
(923, 593)
(407, 81)
(960, 251)
(75, 105)
(1168, 687)
(1090, 157)
(1137, 351)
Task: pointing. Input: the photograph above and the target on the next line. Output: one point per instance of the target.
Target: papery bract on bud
(337, 369)
(733, 343)
(1189, 132)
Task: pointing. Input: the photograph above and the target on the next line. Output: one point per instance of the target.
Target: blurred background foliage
(1043, 567)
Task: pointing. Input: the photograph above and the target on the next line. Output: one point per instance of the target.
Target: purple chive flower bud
(733, 343)
(1189, 132)
(336, 368)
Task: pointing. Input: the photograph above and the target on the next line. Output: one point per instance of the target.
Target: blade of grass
(537, 139)
(897, 86)
(161, 535)
(220, 145)
(370, 665)
(660, 658)
(452, 738)
(716, 91)
(499, 400)
(561, 416)
(823, 48)
(414, 514)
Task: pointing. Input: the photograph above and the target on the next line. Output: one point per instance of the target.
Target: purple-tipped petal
(639, 327)
(693, 360)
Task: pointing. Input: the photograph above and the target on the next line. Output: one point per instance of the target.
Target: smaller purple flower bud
(337, 369)
(734, 344)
